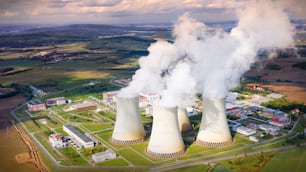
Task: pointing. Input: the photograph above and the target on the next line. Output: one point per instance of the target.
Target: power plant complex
(168, 125)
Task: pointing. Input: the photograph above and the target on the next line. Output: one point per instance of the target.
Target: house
(36, 105)
(103, 156)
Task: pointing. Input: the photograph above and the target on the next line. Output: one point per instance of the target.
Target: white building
(82, 139)
(253, 138)
(150, 98)
(245, 131)
(56, 140)
(273, 130)
(103, 156)
(56, 101)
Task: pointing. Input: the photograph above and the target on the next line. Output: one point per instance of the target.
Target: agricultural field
(295, 163)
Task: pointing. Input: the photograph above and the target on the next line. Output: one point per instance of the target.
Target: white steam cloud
(209, 62)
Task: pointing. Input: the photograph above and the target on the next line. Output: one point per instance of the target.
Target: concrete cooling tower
(128, 127)
(183, 120)
(166, 140)
(214, 130)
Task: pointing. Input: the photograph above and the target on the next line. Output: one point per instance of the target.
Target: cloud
(60, 3)
(9, 14)
(133, 11)
(107, 3)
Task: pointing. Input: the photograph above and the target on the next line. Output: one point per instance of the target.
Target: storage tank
(166, 140)
(183, 120)
(214, 130)
(128, 126)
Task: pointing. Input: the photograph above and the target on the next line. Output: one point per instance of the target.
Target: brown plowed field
(289, 80)
(14, 153)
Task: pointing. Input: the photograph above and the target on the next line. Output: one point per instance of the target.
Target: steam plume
(210, 62)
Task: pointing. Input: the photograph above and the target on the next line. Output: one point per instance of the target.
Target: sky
(129, 11)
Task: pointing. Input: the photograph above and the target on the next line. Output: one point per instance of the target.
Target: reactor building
(214, 130)
(128, 126)
(166, 140)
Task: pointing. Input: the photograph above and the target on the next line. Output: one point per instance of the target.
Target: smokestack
(166, 140)
(128, 127)
(183, 120)
(214, 130)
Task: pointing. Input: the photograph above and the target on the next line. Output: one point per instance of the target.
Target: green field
(292, 160)
(248, 163)
(113, 162)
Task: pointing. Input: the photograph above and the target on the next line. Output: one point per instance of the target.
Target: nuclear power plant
(183, 120)
(214, 130)
(128, 126)
(166, 140)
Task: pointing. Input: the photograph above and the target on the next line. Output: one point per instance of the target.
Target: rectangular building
(108, 97)
(56, 101)
(36, 105)
(85, 141)
(246, 131)
(103, 156)
(56, 140)
(81, 106)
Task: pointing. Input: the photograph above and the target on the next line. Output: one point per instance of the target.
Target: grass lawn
(97, 126)
(113, 162)
(291, 160)
(73, 156)
(250, 163)
(42, 141)
(134, 157)
(61, 131)
(221, 169)
(196, 150)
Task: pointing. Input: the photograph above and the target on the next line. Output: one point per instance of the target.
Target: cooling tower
(166, 140)
(183, 120)
(128, 127)
(214, 130)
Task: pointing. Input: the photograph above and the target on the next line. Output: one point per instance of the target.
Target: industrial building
(81, 106)
(103, 156)
(128, 126)
(56, 101)
(214, 130)
(108, 97)
(56, 140)
(36, 105)
(245, 131)
(82, 139)
(273, 130)
(166, 140)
